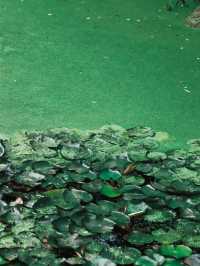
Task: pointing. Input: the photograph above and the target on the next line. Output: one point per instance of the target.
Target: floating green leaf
(110, 191)
(139, 238)
(179, 251)
(145, 261)
(110, 175)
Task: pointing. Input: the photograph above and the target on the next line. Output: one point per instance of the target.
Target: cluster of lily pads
(105, 197)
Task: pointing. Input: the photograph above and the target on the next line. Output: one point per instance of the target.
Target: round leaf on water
(134, 180)
(177, 202)
(166, 237)
(139, 238)
(167, 250)
(110, 175)
(182, 251)
(159, 216)
(103, 207)
(106, 206)
(110, 191)
(122, 256)
(179, 251)
(146, 261)
(150, 191)
(70, 152)
(98, 225)
(119, 218)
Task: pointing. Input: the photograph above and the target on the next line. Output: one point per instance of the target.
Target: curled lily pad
(136, 209)
(98, 225)
(119, 218)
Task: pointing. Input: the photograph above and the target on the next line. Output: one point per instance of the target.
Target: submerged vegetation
(99, 198)
(171, 4)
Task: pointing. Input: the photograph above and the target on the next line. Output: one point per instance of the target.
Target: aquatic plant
(111, 196)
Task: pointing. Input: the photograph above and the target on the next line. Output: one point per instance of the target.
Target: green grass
(128, 64)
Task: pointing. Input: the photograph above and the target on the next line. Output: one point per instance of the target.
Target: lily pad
(110, 175)
(146, 261)
(122, 256)
(139, 238)
(110, 191)
(179, 251)
(136, 209)
(119, 218)
(159, 216)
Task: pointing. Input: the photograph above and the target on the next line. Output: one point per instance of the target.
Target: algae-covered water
(86, 63)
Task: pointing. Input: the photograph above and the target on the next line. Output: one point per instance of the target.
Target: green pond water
(87, 63)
